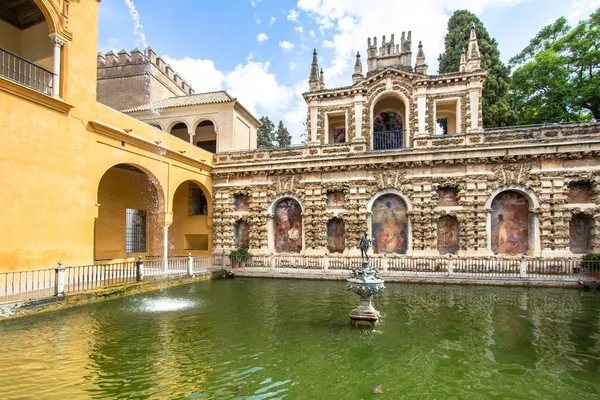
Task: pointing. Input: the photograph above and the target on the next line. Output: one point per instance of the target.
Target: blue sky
(260, 50)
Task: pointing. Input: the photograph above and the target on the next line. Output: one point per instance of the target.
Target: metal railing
(26, 73)
(21, 286)
(388, 140)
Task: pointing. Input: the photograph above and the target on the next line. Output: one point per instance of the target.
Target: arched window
(447, 235)
(287, 223)
(389, 225)
(510, 223)
(336, 235)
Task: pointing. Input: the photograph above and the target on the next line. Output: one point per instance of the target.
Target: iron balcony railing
(387, 140)
(24, 72)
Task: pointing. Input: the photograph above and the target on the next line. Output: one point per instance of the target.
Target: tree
(265, 134)
(282, 136)
(557, 75)
(496, 107)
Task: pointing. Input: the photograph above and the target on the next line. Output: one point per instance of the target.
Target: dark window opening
(197, 201)
(135, 231)
(208, 145)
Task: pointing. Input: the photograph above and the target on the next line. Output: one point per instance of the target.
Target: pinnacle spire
(313, 80)
(473, 55)
(357, 76)
(420, 66)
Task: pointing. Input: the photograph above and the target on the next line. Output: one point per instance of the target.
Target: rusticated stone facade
(540, 166)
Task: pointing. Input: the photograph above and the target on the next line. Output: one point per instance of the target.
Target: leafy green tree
(265, 134)
(282, 136)
(557, 75)
(496, 107)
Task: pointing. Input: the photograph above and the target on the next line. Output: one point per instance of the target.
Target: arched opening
(26, 51)
(510, 224)
(190, 231)
(389, 223)
(180, 130)
(389, 122)
(205, 136)
(580, 192)
(287, 226)
(446, 112)
(242, 234)
(580, 233)
(336, 235)
(128, 224)
(447, 235)
(154, 125)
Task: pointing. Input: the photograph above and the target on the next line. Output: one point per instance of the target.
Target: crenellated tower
(389, 54)
(127, 80)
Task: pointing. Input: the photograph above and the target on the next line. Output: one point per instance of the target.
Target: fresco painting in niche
(510, 223)
(288, 226)
(336, 241)
(242, 235)
(335, 200)
(389, 224)
(580, 192)
(448, 197)
(580, 232)
(447, 235)
(242, 202)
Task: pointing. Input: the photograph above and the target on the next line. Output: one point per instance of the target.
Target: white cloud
(272, 21)
(253, 85)
(581, 9)
(293, 15)
(349, 23)
(292, 65)
(312, 34)
(200, 74)
(299, 29)
(285, 45)
(262, 37)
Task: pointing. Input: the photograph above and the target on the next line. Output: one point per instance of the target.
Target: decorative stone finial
(463, 60)
(357, 76)
(321, 80)
(473, 55)
(313, 80)
(421, 67)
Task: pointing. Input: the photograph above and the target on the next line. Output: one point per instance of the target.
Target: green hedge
(591, 260)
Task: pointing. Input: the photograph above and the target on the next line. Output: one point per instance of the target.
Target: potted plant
(239, 257)
(591, 264)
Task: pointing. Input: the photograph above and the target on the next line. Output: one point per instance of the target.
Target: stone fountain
(365, 282)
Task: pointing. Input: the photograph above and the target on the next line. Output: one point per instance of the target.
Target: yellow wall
(185, 224)
(10, 37)
(51, 162)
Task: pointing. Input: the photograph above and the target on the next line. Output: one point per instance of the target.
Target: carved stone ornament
(512, 174)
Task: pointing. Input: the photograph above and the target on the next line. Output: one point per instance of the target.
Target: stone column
(421, 112)
(312, 129)
(475, 92)
(191, 133)
(358, 113)
(58, 42)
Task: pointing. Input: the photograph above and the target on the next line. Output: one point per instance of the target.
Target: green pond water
(269, 339)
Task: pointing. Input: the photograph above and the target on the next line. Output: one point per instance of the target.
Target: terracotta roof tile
(181, 101)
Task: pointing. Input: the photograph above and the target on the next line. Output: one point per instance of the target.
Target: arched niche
(190, 231)
(131, 204)
(447, 235)
(511, 224)
(286, 228)
(580, 233)
(336, 235)
(389, 223)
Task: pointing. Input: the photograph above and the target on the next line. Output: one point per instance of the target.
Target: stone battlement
(389, 53)
(123, 64)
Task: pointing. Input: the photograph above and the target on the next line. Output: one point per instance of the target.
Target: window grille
(135, 231)
(197, 201)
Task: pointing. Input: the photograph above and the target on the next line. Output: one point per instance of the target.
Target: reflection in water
(270, 339)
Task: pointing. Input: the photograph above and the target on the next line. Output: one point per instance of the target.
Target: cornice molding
(119, 134)
(18, 90)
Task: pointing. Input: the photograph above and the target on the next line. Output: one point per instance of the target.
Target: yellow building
(81, 181)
